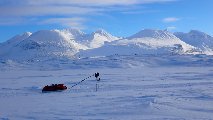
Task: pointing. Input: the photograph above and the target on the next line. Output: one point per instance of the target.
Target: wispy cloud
(81, 2)
(171, 19)
(63, 11)
(139, 12)
(67, 22)
(45, 10)
(171, 28)
(11, 21)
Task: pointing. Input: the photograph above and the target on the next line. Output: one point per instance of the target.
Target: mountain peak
(151, 33)
(27, 34)
(101, 32)
(195, 31)
(193, 34)
(199, 34)
(99, 37)
(198, 39)
(73, 31)
(19, 38)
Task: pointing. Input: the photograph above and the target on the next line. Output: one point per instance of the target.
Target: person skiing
(97, 75)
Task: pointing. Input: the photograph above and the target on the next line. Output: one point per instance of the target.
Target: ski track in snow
(144, 92)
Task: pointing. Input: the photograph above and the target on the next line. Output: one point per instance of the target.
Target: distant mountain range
(144, 42)
(69, 43)
(198, 39)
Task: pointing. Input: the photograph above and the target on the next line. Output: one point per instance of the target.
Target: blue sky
(118, 17)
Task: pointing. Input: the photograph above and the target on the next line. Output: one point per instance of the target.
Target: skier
(98, 79)
(97, 75)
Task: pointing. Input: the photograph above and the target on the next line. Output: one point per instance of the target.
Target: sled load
(60, 87)
(54, 87)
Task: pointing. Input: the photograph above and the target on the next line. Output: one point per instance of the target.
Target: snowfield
(174, 87)
(151, 75)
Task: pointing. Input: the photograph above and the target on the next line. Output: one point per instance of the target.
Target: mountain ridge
(71, 42)
(198, 39)
(146, 41)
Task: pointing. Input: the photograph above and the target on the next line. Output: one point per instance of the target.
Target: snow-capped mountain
(99, 37)
(16, 39)
(144, 42)
(44, 43)
(150, 33)
(52, 43)
(157, 39)
(74, 34)
(19, 38)
(6, 47)
(67, 43)
(198, 39)
(96, 39)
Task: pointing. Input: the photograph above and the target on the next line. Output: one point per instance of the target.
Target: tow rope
(96, 75)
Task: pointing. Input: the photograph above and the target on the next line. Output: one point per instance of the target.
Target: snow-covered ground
(152, 75)
(131, 88)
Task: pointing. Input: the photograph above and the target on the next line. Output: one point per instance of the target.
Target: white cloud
(64, 7)
(67, 22)
(171, 28)
(51, 9)
(46, 10)
(82, 2)
(171, 19)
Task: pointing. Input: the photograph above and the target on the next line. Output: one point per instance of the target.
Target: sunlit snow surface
(131, 88)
